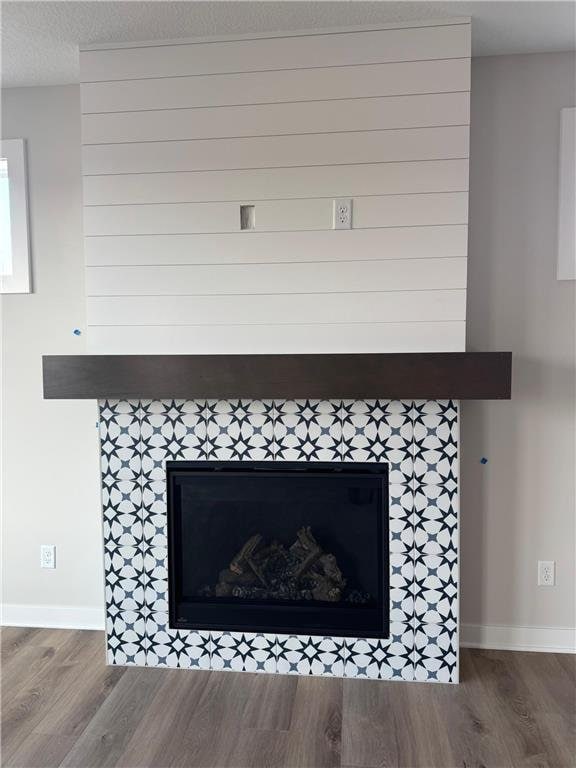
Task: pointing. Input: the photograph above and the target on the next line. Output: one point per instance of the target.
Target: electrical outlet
(546, 573)
(343, 213)
(47, 556)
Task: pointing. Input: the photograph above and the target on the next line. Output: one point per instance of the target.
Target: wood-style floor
(61, 706)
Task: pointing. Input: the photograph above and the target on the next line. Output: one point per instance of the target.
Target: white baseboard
(51, 616)
(546, 639)
(505, 638)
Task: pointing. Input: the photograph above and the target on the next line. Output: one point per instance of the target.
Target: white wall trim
(514, 638)
(489, 636)
(52, 616)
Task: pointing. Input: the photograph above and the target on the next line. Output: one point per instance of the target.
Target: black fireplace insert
(283, 547)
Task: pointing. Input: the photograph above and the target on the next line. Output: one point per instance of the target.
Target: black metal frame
(182, 618)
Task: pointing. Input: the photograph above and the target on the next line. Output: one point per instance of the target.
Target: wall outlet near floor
(343, 213)
(546, 573)
(47, 556)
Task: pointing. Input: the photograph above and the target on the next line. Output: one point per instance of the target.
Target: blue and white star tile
(378, 409)
(437, 536)
(184, 649)
(154, 513)
(120, 497)
(165, 440)
(120, 455)
(124, 578)
(436, 411)
(370, 434)
(382, 658)
(126, 639)
(401, 604)
(311, 655)
(174, 409)
(401, 569)
(398, 407)
(240, 429)
(109, 409)
(435, 522)
(435, 459)
(307, 430)
(122, 529)
(154, 529)
(435, 589)
(401, 518)
(434, 502)
(436, 442)
(436, 654)
(156, 587)
(243, 652)
(120, 460)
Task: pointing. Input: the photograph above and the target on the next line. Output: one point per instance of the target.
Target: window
(14, 242)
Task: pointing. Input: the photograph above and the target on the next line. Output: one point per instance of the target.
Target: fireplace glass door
(295, 548)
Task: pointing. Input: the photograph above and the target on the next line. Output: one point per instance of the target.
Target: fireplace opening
(284, 547)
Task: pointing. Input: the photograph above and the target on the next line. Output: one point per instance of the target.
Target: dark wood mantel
(433, 375)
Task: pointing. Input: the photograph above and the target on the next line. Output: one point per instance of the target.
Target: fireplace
(163, 425)
(407, 447)
(285, 547)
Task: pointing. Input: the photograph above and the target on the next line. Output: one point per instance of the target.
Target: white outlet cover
(342, 213)
(47, 556)
(546, 573)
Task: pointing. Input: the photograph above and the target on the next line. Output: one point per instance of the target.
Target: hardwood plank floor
(62, 706)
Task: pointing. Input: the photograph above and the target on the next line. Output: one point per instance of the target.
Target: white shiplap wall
(177, 135)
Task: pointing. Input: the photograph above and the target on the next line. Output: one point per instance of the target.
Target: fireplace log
(240, 561)
(258, 571)
(303, 571)
(331, 570)
(229, 577)
(306, 539)
(306, 564)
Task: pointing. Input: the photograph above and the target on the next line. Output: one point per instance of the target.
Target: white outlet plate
(47, 556)
(342, 213)
(546, 573)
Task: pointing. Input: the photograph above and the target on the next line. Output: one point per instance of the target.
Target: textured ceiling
(40, 39)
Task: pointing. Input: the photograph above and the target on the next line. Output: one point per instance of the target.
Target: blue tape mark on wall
(77, 332)
(483, 460)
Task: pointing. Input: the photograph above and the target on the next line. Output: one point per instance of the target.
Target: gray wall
(516, 509)
(50, 482)
(519, 507)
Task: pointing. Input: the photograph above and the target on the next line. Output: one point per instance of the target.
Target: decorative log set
(303, 571)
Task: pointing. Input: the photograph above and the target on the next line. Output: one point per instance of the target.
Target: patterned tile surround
(419, 441)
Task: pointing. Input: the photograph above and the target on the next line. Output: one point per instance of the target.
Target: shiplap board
(425, 110)
(335, 50)
(249, 279)
(269, 247)
(278, 183)
(203, 217)
(278, 151)
(278, 339)
(411, 210)
(274, 215)
(388, 306)
(413, 77)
